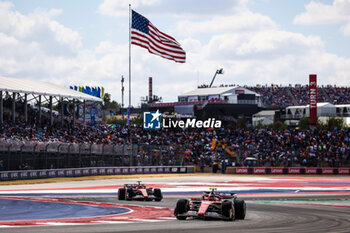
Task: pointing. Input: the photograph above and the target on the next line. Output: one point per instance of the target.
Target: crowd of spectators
(284, 96)
(285, 147)
(338, 95)
(274, 96)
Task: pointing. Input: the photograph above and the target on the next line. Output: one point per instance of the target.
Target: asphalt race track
(269, 211)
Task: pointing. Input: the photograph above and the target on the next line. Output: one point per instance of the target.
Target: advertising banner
(86, 172)
(192, 99)
(33, 174)
(24, 175)
(277, 170)
(43, 174)
(94, 171)
(327, 171)
(174, 170)
(14, 175)
(69, 173)
(239, 92)
(294, 170)
(77, 172)
(183, 170)
(343, 171)
(110, 171)
(132, 170)
(313, 98)
(259, 170)
(153, 170)
(310, 170)
(241, 170)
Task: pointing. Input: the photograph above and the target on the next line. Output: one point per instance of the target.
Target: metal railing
(15, 155)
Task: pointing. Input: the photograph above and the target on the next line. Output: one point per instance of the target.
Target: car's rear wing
(222, 194)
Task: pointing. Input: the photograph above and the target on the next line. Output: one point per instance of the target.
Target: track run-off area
(274, 204)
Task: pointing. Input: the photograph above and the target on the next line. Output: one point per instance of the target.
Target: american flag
(144, 34)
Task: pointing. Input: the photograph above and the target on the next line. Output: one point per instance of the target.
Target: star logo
(156, 115)
(151, 120)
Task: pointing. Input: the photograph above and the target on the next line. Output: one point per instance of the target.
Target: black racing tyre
(227, 210)
(121, 194)
(182, 206)
(157, 194)
(240, 209)
(130, 193)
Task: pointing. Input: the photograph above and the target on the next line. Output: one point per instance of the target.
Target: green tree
(278, 125)
(242, 122)
(108, 104)
(107, 98)
(335, 123)
(304, 123)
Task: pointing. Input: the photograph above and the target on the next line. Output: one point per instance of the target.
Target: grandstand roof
(215, 91)
(319, 105)
(41, 88)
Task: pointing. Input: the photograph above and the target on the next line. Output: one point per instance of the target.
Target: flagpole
(128, 120)
(129, 64)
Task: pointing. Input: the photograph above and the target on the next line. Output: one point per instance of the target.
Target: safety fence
(48, 155)
(287, 171)
(91, 171)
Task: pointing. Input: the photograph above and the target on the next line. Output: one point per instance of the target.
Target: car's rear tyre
(240, 209)
(182, 206)
(130, 193)
(121, 194)
(158, 195)
(227, 210)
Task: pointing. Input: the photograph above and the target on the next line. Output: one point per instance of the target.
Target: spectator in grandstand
(286, 147)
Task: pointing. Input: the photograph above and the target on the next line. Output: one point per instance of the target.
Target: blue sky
(85, 42)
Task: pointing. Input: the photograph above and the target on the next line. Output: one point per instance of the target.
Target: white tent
(19, 89)
(323, 109)
(17, 85)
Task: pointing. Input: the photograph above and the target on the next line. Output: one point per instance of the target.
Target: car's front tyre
(240, 209)
(121, 194)
(182, 206)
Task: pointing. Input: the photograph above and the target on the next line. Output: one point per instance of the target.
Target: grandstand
(24, 145)
(283, 96)
(229, 102)
(16, 94)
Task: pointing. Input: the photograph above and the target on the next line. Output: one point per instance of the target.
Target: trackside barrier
(287, 171)
(92, 171)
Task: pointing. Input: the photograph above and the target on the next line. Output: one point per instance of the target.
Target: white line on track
(149, 220)
(60, 223)
(110, 222)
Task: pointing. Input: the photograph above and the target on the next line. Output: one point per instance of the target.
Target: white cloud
(319, 13)
(346, 29)
(243, 21)
(178, 8)
(119, 8)
(251, 47)
(322, 14)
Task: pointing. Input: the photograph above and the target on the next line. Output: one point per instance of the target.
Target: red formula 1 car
(212, 204)
(139, 192)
